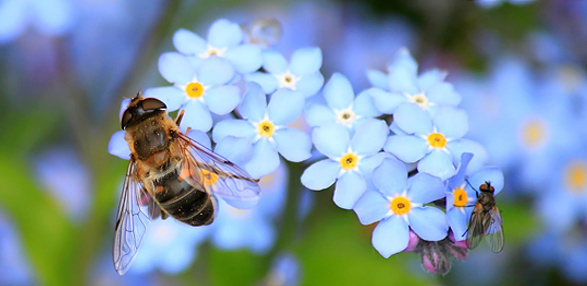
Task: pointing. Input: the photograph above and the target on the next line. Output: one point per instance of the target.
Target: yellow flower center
(460, 197)
(194, 89)
(436, 140)
(349, 161)
(208, 178)
(421, 100)
(400, 205)
(266, 128)
(576, 176)
(533, 133)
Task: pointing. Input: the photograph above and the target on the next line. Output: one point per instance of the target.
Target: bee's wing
(494, 231)
(131, 221)
(476, 228)
(232, 183)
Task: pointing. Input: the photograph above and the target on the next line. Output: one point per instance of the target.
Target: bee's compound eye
(153, 104)
(126, 117)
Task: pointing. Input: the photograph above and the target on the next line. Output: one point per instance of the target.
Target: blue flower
(301, 74)
(402, 84)
(50, 17)
(264, 132)
(461, 197)
(169, 246)
(350, 160)
(341, 105)
(398, 205)
(433, 142)
(197, 91)
(14, 267)
(285, 271)
(225, 41)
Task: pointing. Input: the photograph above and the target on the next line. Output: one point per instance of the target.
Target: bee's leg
(187, 130)
(179, 117)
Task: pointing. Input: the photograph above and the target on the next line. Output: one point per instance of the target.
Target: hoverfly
(485, 220)
(170, 175)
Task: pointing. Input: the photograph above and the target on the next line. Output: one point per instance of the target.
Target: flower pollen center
(265, 128)
(349, 161)
(436, 140)
(533, 133)
(460, 197)
(208, 178)
(400, 205)
(194, 90)
(288, 80)
(346, 117)
(576, 176)
(421, 100)
(212, 51)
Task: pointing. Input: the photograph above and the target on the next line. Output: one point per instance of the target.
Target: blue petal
(331, 140)
(364, 105)
(437, 163)
(14, 20)
(222, 99)
(254, 103)
(377, 79)
(294, 145)
(386, 102)
(264, 160)
(390, 177)
(459, 177)
(189, 43)
(236, 149)
(215, 71)
(443, 93)
(338, 92)
(175, 68)
(245, 58)
(349, 188)
(233, 127)
(318, 114)
(494, 175)
(458, 147)
(431, 78)
(429, 223)
(321, 174)
(224, 33)
(391, 236)
(412, 119)
(285, 106)
(52, 17)
(453, 123)
(306, 61)
(371, 207)
(268, 81)
(274, 62)
(200, 137)
(403, 73)
(310, 84)
(407, 148)
(172, 96)
(458, 223)
(196, 116)
(118, 146)
(369, 137)
(424, 188)
(369, 163)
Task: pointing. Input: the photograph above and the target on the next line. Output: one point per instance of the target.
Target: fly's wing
(494, 231)
(218, 175)
(131, 221)
(477, 226)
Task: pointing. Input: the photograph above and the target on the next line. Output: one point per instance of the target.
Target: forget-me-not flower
(265, 128)
(301, 74)
(402, 84)
(398, 205)
(349, 160)
(342, 107)
(224, 41)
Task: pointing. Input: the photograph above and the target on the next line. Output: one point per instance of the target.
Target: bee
(485, 220)
(170, 175)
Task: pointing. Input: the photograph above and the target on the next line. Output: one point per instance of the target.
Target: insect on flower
(485, 220)
(170, 175)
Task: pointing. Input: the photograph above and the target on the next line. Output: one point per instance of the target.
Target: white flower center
(346, 116)
(287, 80)
(213, 51)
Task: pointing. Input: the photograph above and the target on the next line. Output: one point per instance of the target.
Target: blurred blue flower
(349, 161)
(265, 129)
(434, 142)
(342, 107)
(285, 271)
(197, 91)
(225, 41)
(253, 228)
(50, 17)
(14, 268)
(301, 74)
(402, 84)
(63, 174)
(169, 246)
(398, 205)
